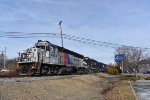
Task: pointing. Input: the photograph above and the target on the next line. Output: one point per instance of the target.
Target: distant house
(144, 67)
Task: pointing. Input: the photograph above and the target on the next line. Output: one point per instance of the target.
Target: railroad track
(13, 76)
(26, 78)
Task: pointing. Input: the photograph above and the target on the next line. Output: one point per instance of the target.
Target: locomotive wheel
(52, 71)
(44, 70)
(60, 71)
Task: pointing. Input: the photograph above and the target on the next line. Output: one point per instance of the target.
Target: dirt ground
(83, 87)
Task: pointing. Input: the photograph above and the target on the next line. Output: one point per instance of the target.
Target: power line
(22, 33)
(27, 35)
(74, 38)
(65, 36)
(90, 41)
(106, 43)
(25, 22)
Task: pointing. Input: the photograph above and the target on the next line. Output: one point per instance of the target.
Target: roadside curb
(136, 98)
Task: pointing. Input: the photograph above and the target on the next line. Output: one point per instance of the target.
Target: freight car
(95, 66)
(46, 58)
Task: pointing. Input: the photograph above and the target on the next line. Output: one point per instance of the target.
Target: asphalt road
(139, 74)
(142, 89)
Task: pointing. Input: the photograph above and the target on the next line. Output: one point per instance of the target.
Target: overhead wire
(26, 35)
(25, 22)
(75, 38)
(90, 41)
(107, 43)
(65, 36)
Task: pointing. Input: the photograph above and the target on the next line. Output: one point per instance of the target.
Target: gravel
(27, 79)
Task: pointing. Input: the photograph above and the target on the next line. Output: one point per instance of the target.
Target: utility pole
(4, 57)
(61, 33)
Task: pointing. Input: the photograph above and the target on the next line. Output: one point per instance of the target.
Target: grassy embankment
(120, 90)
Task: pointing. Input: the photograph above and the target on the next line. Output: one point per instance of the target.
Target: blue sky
(116, 21)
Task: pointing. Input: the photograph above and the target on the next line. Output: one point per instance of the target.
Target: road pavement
(139, 74)
(142, 89)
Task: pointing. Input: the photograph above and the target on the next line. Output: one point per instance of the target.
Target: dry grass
(82, 87)
(86, 87)
(121, 91)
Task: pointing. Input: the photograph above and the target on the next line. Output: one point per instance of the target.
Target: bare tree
(133, 56)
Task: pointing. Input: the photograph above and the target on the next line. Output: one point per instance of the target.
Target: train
(45, 58)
